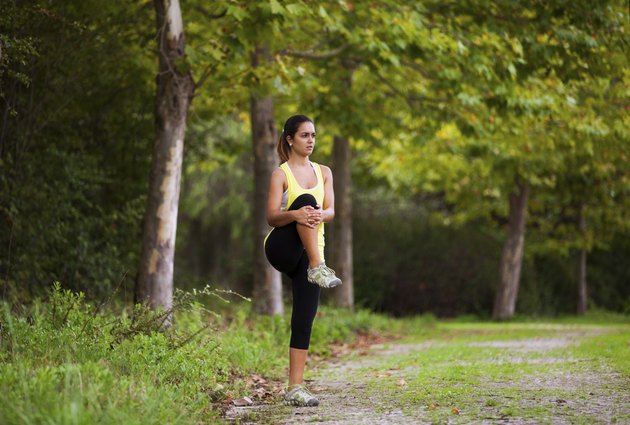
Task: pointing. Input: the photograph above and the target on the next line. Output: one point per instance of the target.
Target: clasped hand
(309, 216)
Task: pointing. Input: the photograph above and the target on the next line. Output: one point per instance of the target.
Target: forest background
(480, 148)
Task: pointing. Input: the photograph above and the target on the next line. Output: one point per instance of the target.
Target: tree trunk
(174, 94)
(512, 255)
(341, 249)
(267, 280)
(581, 268)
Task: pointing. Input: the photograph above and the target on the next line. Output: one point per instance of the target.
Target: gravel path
(348, 396)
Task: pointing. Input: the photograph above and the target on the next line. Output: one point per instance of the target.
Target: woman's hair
(290, 128)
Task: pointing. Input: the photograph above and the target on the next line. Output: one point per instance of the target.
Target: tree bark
(582, 302)
(267, 280)
(341, 235)
(174, 93)
(512, 255)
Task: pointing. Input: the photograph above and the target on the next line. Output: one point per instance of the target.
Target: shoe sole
(334, 283)
(298, 404)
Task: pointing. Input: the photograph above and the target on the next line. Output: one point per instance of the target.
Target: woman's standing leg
(285, 251)
(305, 303)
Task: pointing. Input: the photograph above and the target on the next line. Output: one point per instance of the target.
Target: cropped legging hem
(285, 252)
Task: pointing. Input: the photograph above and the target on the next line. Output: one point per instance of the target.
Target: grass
(466, 372)
(65, 361)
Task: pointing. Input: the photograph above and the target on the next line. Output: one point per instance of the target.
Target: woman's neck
(298, 161)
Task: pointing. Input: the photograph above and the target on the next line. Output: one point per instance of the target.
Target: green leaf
(276, 8)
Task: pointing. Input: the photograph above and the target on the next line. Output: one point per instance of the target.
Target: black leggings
(286, 254)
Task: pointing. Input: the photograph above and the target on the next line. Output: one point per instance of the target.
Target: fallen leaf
(432, 406)
(455, 410)
(259, 392)
(381, 375)
(245, 401)
(257, 379)
(401, 383)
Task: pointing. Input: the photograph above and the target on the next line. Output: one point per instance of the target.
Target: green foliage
(439, 269)
(451, 270)
(214, 237)
(64, 360)
(74, 154)
(526, 98)
(445, 104)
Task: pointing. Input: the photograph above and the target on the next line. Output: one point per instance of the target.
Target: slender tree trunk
(581, 268)
(512, 255)
(341, 249)
(174, 94)
(267, 280)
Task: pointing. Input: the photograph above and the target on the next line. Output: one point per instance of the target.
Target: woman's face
(304, 139)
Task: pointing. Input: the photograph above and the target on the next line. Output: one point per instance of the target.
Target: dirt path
(549, 388)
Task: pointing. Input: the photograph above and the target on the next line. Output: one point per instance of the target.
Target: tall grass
(65, 361)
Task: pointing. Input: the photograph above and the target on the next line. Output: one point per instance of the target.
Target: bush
(63, 360)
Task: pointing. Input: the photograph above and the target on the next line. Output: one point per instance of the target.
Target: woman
(300, 201)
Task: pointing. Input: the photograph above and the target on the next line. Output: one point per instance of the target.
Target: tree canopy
(448, 108)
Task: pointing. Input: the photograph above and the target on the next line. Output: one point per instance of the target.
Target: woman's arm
(275, 216)
(328, 211)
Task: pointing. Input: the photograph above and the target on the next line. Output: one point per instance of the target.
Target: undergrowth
(64, 360)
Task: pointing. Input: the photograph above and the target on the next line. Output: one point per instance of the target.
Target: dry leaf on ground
(244, 401)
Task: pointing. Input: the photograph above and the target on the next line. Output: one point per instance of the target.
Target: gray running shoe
(323, 276)
(298, 395)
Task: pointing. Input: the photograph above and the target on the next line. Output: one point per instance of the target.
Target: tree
(260, 31)
(501, 84)
(347, 113)
(267, 280)
(341, 252)
(175, 88)
(73, 161)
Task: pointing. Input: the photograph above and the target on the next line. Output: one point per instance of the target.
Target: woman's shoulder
(325, 169)
(279, 173)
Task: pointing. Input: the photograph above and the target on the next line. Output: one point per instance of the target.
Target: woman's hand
(309, 216)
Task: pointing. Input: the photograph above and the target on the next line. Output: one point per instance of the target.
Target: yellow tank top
(294, 190)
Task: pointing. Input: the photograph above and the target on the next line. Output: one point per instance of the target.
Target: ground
(470, 373)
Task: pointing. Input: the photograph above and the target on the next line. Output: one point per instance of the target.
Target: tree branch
(209, 15)
(408, 98)
(311, 54)
(418, 68)
(206, 74)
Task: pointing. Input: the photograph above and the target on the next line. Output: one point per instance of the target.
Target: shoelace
(304, 393)
(328, 271)
(298, 389)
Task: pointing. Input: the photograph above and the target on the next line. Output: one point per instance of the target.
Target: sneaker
(323, 276)
(298, 395)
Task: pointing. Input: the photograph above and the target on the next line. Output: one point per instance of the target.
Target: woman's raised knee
(302, 201)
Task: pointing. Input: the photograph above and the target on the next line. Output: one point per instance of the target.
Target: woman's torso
(295, 189)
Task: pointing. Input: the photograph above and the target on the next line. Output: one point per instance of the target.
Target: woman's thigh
(284, 248)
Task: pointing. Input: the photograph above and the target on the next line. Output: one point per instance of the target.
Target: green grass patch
(461, 372)
(65, 360)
